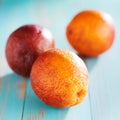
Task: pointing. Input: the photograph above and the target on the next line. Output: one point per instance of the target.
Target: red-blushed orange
(59, 78)
(91, 32)
(24, 45)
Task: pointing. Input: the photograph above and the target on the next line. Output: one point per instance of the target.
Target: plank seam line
(90, 105)
(24, 102)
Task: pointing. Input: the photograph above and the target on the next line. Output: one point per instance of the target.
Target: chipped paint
(37, 116)
(41, 113)
(22, 87)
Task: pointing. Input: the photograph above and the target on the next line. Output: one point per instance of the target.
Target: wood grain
(104, 85)
(11, 105)
(104, 73)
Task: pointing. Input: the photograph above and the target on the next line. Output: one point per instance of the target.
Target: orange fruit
(91, 32)
(59, 78)
(24, 45)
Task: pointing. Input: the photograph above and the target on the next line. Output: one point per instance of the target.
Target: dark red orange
(24, 45)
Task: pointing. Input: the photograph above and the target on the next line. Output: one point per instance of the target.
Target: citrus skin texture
(91, 32)
(24, 45)
(59, 78)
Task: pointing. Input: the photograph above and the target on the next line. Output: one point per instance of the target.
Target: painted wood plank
(12, 86)
(12, 91)
(104, 84)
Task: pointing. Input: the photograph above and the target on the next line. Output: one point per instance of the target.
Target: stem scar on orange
(91, 32)
(59, 78)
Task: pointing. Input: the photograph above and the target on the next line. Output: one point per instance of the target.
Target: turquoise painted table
(18, 101)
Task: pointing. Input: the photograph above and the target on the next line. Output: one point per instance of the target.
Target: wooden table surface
(18, 101)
